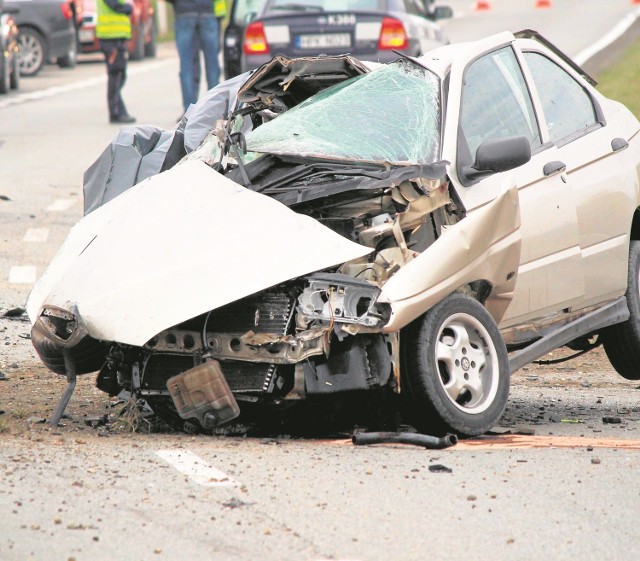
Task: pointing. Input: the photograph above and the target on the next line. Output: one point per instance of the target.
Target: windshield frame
(272, 7)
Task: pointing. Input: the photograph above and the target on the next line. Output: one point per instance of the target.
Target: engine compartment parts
(203, 393)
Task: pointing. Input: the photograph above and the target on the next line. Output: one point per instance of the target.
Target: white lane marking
(36, 235)
(79, 85)
(196, 468)
(60, 205)
(617, 32)
(22, 275)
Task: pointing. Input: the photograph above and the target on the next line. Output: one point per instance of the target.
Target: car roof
(325, 5)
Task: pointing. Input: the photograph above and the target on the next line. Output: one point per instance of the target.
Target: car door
(600, 178)
(495, 103)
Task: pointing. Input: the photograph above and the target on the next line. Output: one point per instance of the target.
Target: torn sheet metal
(130, 278)
(404, 98)
(266, 348)
(284, 82)
(483, 246)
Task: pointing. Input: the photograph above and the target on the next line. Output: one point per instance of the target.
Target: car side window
(568, 107)
(495, 103)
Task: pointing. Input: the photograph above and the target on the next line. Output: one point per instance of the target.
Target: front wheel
(622, 341)
(455, 368)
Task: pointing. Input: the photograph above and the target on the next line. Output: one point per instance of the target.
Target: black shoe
(122, 119)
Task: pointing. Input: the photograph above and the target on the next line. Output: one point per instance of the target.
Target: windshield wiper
(293, 7)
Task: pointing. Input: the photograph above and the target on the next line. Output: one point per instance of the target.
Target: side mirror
(442, 12)
(495, 156)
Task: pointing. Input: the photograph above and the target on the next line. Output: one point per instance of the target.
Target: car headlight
(333, 297)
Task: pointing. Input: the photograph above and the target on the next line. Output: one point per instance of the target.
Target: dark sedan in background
(9, 70)
(47, 32)
(368, 29)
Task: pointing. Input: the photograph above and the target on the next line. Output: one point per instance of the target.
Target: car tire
(455, 370)
(4, 74)
(151, 48)
(622, 341)
(138, 51)
(164, 409)
(71, 58)
(14, 81)
(89, 354)
(33, 51)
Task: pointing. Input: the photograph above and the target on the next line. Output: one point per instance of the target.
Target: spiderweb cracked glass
(389, 115)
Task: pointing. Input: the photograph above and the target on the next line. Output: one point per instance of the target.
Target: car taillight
(67, 10)
(255, 40)
(392, 35)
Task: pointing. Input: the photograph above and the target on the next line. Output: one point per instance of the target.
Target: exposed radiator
(264, 313)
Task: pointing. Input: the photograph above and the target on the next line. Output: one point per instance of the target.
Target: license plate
(324, 41)
(86, 35)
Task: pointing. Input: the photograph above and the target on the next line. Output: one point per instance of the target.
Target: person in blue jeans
(196, 24)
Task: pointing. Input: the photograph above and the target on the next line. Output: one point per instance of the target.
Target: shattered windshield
(389, 115)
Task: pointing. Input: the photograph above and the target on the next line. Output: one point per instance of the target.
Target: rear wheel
(456, 368)
(150, 49)
(15, 73)
(69, 60)
(622, 342)
(138, 51)
(33, 51)
(4, 74)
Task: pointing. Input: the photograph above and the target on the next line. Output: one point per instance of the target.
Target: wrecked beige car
(427, 227)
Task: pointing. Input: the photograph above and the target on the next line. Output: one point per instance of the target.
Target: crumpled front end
(281, 274)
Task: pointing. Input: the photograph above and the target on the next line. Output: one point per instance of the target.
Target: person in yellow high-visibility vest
(113, 30)
(196, 25)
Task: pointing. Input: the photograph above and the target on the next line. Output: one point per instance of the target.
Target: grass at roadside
(622, 80)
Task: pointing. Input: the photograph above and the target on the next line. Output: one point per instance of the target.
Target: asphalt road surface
(568, 491)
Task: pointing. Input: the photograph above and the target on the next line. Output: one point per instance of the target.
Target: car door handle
(551, 168)
(618, 144)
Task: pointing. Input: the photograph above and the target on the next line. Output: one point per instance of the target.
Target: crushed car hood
(178, 245)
